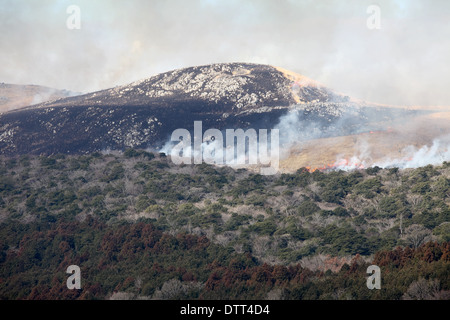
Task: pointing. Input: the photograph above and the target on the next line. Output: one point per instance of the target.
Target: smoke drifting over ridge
(434, 155)
(402, 63)
(120, 42)
(350, 142)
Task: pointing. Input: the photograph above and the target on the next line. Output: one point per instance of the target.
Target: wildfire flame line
(345, 164)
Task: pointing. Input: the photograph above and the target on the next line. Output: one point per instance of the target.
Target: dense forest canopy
(141, 227)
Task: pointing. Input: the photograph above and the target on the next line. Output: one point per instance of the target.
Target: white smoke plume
(412, 157)
(414, 143)
(435, 154)
(123, 41)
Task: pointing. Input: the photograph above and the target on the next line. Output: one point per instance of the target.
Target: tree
(416, 234)
(171, 289)
(175, 289)
(122, 296)
(422, 290)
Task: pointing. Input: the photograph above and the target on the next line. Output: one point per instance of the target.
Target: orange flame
(338, 164)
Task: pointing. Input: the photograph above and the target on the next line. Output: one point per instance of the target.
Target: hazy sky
(407, 61)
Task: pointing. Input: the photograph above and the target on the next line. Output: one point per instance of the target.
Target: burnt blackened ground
(145, 113)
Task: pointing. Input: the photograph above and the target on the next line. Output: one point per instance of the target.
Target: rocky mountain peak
(239, 86)
(143, 114)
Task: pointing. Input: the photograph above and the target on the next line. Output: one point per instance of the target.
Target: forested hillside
(141, 227)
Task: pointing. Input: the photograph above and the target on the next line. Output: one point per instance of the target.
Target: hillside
(14, 96)
(420, 140)
(199, 231)
(223, 96)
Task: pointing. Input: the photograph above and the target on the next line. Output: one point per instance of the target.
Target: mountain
(16, 96)
(143, 114)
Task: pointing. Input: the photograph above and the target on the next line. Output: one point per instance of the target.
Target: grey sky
(407, 61)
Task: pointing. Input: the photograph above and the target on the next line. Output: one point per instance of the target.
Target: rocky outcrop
(143, 114)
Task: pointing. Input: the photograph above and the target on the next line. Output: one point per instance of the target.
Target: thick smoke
(123, 41)
(412, 157)
(356, 145)
(119, 42)
(18, 96)
(361, 141)
(238, 148)
(435, 154)
(320, 120)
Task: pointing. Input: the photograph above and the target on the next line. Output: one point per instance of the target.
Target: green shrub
(421, 188)
(48, 162)
(266, 227)
(443, 231)
(187, 209)
(307, 208)
(373, 170)
(236, 221)
(340, 212)
(369, 188)
(255, 200)
(344, 240)
(115, 172)
(298, 233)
(133, 153)
(143, 202)
(6, 184)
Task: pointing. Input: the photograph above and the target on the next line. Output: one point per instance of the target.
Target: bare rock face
(236, 86)
(143, 114)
